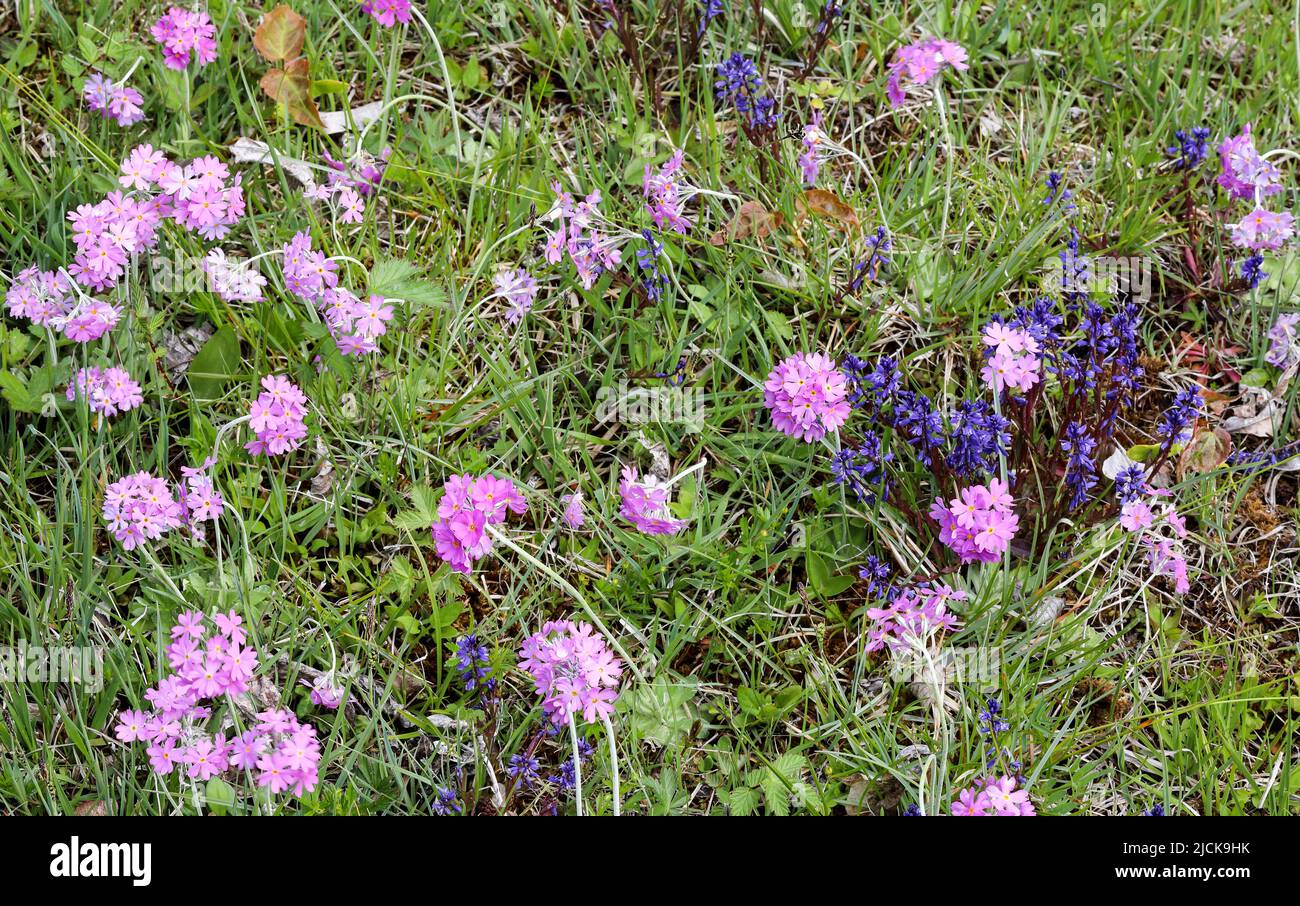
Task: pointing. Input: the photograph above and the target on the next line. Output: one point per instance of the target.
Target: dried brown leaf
(752, 220)
(827, 204)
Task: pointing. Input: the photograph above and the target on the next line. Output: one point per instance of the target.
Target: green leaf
(216, 363)
(220, 796)
(400, 280)
(16, 393)
(741, 802)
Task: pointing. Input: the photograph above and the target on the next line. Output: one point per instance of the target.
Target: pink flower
(1136, 515)
(574, 517)
(276, 417)
(131, 725)
(468, 506)
(1245, 173)
(1005, 798)
(973, 802)
(388, 12)
(920, 62)
(519, 289)
(807, 395)
(645, 505)
(979, 523)
(1262, 229)
(573, 671)
(666, 195)
(163, 756)
(182, 32)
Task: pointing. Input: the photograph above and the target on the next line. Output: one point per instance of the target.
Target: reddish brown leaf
(1206, 451)
(752, 220)
(280, 35)
(291, 87)
(828, 204)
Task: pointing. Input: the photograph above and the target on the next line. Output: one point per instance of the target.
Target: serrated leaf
(280, 34)
(741, 801)
(394, 278)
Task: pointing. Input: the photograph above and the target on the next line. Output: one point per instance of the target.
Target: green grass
(751, 689)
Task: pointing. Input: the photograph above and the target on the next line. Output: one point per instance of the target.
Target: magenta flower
(468, 506)
(276, 417)
(972, 802)
(918, 63)
(182, 32)
(388, 12)
(107, 391)
(113, 99)
(285, 752)
(645, 505)
(807, 395)
(979, 523)
(666, 195)
(573, 671)
(1245, 173)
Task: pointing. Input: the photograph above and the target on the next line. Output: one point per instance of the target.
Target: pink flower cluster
(276, 417)
(578, 233)
(1262, 229)
(979, 523)
(468, 506)
(810, 161)
(47, 298)
(388, 12)
(1164, 553)
(107, 391)
(807, 395)
(199, 495)
(1245, 174)
(182, 32)
(991, 797)
(113, 99)
(1013, 361)
(284, 753)
(573, 670)
(913, 617)
(325, 691)
(663, 194)
(645, 505)
(356, 326)
(519, 289)
(41, 296)
(141, 508)
(920, 62)
(1284, 341)
(362, 172)
(233, 279)
(200, 195)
